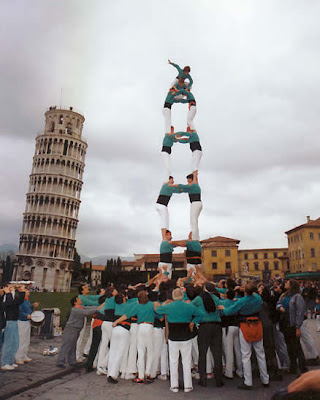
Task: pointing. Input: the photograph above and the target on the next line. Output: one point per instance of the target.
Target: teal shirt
(221, 290)
(167, 190)
(190, 96)
(90, 300)
(194, 188)
(144, 312)
(181, 74)
(169, 140)
(179, 312)
(166, 247)
(247, 305)
(122, 309)
(171, 97)
(194, 245)
(192, 137)
(109, 303)
(207, 317)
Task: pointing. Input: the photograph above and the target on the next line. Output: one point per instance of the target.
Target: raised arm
(175, 65)
(195, 177)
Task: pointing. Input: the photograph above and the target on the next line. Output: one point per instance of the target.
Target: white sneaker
(102, 371)
(130, 376)
(7, 367)
(27, 359)
(15, 365)
(80, 360)
(20, 362)
(187, 390)
(195, 375)
(163, 377)
(174, 390)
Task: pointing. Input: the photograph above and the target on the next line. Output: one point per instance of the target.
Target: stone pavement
(41, 379)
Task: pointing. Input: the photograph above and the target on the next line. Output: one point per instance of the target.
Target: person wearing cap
(179, 315)
(192, 138)
(210, 332)
(248, 309)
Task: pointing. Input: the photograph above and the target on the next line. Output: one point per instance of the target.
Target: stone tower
(50, 220)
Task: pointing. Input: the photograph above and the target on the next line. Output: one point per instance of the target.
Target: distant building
(304, 247)
(50, 220)
(96, 273)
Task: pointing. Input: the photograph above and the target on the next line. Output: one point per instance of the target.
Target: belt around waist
(166, 258)
(166, 149)
(163, 199)
(149, 323)
(194, 197)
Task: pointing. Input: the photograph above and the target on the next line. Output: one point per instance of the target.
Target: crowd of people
(140, 332)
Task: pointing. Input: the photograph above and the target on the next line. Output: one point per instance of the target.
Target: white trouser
(86, 349)
(231, 347)
(166, 159)
(24, 328)
(167, 119)
(80, 340)
(164, 215)
(145, 349)
(184, 348)
(195, 210)
(246, 350)
(132, 356)
(196, 157)
(118, 350)
(194, 352)
(158, 339)
(191, 114)
(106, 331)
(169, 268)
(209, 362)
(164, 361)
(308, 341)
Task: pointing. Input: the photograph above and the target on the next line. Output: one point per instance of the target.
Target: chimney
(308, 218)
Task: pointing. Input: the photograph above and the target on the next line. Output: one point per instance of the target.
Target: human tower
(180, 92)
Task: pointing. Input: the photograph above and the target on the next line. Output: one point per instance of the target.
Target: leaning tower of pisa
(50, 220)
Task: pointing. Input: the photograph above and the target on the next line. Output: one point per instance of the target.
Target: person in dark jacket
(3, 293)
(292, 307)
(13, 299)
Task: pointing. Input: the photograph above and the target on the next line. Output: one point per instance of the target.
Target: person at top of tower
(165, 194)
(166, 249)
(194, 191)
(182, 73)
(180, 85)
(192, 138)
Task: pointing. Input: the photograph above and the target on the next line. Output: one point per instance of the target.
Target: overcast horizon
(255, 66)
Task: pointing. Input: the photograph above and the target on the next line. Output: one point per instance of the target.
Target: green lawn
(54, 300)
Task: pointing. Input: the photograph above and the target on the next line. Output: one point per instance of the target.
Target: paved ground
(41, 379)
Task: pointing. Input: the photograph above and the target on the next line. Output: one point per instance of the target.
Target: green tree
(7, 270)
(77, 267)
(119, 264)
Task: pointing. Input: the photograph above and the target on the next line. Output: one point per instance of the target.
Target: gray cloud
(256, 72)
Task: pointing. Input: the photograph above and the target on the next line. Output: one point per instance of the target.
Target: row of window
(297, 254)
(299, 236)
(246, 255)
(255, 266)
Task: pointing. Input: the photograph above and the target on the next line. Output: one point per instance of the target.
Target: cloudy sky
(256, 71)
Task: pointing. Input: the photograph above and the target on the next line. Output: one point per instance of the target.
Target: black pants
(96, 338)
(210, 335)
(294, 348)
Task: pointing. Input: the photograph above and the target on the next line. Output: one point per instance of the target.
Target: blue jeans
(10, 343)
